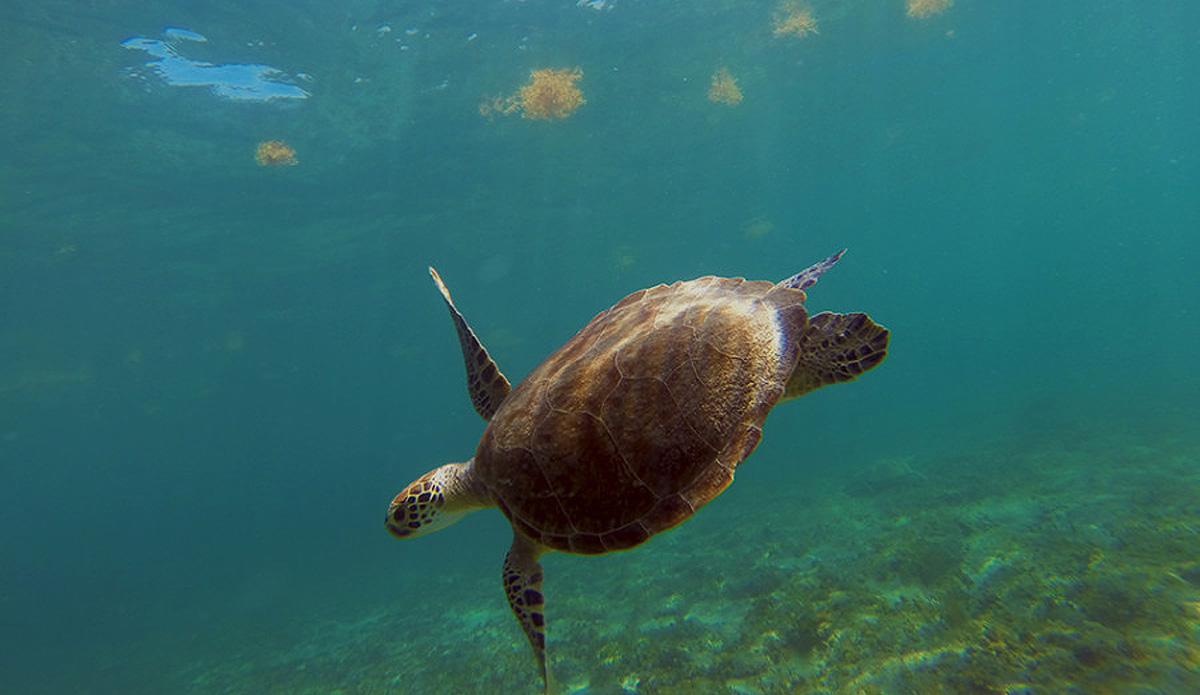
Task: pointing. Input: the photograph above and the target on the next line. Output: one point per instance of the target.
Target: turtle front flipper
(836, 348)
(523, 586)
(486, 383)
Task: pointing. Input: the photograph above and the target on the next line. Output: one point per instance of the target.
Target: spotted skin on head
(417, 506)
(436, 500)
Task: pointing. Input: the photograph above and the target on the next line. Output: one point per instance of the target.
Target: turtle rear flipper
(808, 277)
(836, 348)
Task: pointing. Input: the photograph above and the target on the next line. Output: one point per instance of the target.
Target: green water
(214, 375)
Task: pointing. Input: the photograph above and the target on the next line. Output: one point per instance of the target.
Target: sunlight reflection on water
(238, 81)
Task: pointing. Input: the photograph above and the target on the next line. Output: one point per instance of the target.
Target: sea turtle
(636, 422)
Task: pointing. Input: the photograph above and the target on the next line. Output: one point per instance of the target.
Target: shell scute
(660, 447)
(597, 491)
(521, 470)
(627, 536)
(587, 543)
(668, 512)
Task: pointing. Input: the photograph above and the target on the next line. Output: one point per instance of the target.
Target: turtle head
(435, 500)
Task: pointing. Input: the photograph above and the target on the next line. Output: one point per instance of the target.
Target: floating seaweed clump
(794, 19)
(274, 153)
(922, 9)
(549, 95)
(724, 88)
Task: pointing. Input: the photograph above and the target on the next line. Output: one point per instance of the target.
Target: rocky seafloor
(1065, 565)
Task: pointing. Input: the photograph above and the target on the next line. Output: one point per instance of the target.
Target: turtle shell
(642, 417)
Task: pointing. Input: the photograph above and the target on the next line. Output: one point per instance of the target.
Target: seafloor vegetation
(1067, 564)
